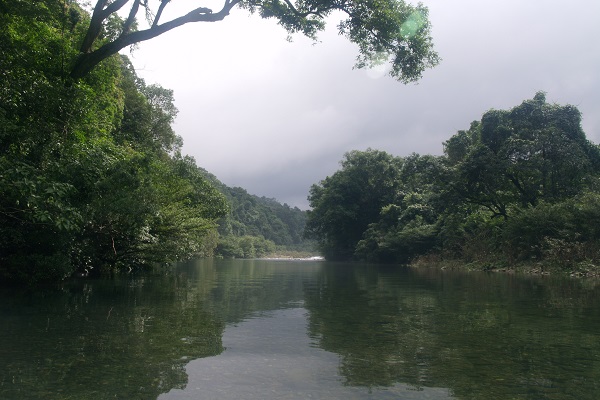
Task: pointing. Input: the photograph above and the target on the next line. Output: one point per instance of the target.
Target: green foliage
(519, 186)
(344, 204)
(91, 175)
(535, 151)
(384, 30)
(408, 227)
(562, 234)
(264, 223)
(244, 247)
(91, 178)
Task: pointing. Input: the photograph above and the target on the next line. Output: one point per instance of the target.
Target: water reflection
(271, 357)
(267, 329)
(104, 339)
(482, 336)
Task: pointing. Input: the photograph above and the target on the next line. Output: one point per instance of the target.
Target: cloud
(274, 117)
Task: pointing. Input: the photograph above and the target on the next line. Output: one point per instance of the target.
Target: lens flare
(411, 26)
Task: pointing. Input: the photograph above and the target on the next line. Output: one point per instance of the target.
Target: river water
(265, 329)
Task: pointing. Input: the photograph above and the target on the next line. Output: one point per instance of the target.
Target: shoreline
(579, 270)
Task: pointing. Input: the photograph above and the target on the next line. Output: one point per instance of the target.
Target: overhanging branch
(88, 60)
(162, 6)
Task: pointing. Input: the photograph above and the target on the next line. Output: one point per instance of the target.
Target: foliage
(535, 151)
(257, 226)
(244, 247)
(408, 226)
(562, 234)
(92, 179)
(91, 176)
(519, 186)
(344, 204)
(384, 30)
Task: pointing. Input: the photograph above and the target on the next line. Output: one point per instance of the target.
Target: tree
(515, 158)
(407, 227)
(262, 222)
(384, 30)
(90, 172)
(344, 204)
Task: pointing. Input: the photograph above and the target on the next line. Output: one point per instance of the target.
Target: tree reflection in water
(295, 329)
(482, 336)
(105, 339)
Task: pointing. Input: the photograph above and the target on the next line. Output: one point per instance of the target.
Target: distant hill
(258, 226)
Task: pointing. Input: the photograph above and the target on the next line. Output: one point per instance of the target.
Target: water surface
(252, 329)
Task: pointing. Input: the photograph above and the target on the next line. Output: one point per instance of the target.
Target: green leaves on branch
(344, 204)
(391, 31)
(384, 30)
(535, 151)
(30, 197)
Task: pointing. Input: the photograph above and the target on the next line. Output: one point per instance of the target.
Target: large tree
(384, 30)
(535, 151)
(344, 204)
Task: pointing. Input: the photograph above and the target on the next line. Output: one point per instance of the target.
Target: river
(267, 329)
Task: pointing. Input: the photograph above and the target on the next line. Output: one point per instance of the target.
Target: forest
(92, 178)
(518, 190)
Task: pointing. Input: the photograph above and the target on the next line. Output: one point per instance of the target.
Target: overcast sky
(274, 117)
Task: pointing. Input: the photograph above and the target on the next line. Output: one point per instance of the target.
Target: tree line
(92, 177)
(520, 187)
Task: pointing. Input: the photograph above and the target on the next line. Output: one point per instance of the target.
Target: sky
(274, 116)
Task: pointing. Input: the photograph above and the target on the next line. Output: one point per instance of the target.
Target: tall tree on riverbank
(533, 152)
(344, 204)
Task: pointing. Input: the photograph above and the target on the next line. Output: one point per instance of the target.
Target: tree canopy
(520, 185)
(91, 174)
(384, 30)
(345, 203)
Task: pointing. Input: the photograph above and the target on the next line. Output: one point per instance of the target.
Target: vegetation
(520, 187)
(258, 226)
(384, 30)
(91, 173)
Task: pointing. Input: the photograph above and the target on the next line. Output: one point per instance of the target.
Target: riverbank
(584, 269)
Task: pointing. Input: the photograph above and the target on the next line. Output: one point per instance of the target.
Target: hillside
(257, 226)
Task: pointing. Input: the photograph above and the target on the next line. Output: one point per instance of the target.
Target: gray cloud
(275, 117)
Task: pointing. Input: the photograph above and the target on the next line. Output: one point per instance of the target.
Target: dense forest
(519, 189)
(92, 177)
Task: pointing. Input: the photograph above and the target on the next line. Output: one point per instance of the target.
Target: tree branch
(162, 6)
(99, 15)
(298, 13)
(131, 17)
(88, 60)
